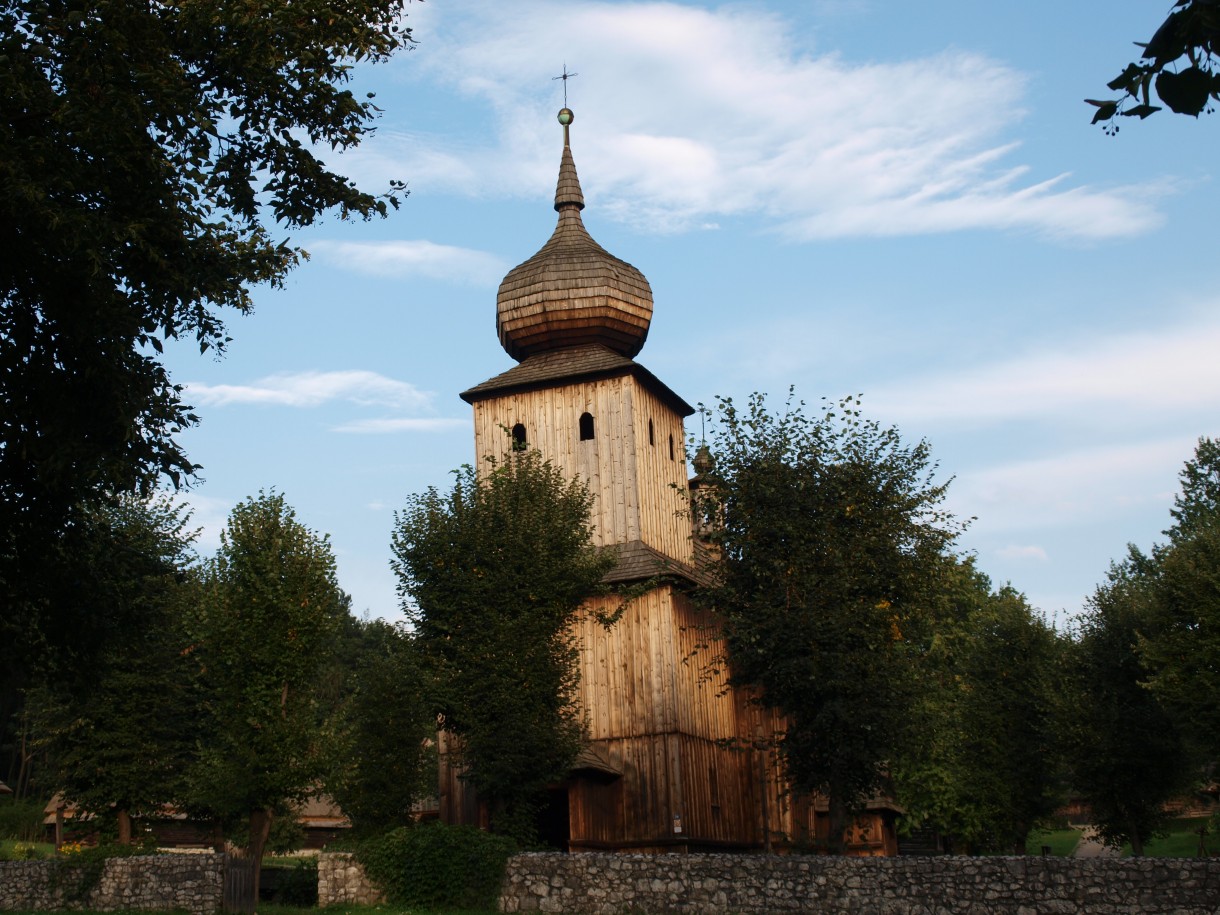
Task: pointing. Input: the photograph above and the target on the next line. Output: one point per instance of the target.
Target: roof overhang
(591, 362)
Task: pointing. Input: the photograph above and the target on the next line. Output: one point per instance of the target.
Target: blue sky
(904, 201)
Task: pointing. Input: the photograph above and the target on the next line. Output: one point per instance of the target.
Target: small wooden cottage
(672, 759)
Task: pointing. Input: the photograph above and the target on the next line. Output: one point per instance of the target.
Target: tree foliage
(119, 740)
(1180, 645)
(492, 574)
(830, 550)
(1128, 754)
(983, 765)
(146, 149)
(269, 617)
(1178, 65)
(382, 740)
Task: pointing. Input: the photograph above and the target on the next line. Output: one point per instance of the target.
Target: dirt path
(1091, 847)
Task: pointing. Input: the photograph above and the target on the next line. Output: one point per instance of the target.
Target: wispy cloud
(1106, 378)
(402, 424)
(1017, 551)
(1083, 486)
(313, 389)
(413, 258)
(685, 133)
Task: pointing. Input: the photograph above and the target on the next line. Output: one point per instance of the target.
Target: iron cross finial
(565, 76)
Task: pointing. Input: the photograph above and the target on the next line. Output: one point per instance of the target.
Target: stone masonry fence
(191, 883)
(604, 884)
(598, 884)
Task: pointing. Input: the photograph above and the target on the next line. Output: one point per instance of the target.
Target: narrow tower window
(671, 447)
(652, 440)
(519, 442)
(586, 426)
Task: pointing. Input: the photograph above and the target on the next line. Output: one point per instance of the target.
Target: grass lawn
(8, 850)
(1181, 842)
(1062, 842)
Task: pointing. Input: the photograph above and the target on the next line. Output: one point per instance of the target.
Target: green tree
(119, 739)
(983, 765)
(383, 734)
(830, 550)
(1178, 64)
(270, 614)
(1181, 644)
(1128, 755)
(492, 574)
(148, 152)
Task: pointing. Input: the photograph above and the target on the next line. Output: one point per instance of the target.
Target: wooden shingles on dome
(573, 291)
(590, 362)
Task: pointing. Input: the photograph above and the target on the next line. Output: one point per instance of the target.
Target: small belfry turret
(573, 291)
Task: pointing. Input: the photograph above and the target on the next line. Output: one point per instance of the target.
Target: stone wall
(342, 881)
(192, 883)
(600, 884)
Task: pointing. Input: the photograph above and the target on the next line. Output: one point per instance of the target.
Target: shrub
(77, 869)
(20, 851)
(438, 866)
(21, 820)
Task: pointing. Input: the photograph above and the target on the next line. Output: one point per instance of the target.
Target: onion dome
(572, 292)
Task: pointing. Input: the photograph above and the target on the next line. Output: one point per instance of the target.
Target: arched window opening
(519, 441)
(671, 447)
(586, 427)
(652, 440)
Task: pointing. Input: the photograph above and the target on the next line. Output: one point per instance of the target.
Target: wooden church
(671, 761)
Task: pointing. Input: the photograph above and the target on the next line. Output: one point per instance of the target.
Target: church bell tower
(573, 316)
(658, 772)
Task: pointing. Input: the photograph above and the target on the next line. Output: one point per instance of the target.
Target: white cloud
(385, 425)
(413, 258)
(1083, 486)
(1016, 551)
(312, 389)
(1103, 379)
(683, 132)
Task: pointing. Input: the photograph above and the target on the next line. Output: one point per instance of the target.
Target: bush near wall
(437, 866)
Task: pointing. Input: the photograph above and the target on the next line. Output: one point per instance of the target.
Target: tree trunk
(837, 817)
(1137, 842)
(124, 817)
(218, 836)
(260, 830)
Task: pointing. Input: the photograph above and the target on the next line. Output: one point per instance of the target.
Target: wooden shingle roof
(578, 363)
(573, 291)
(637, 561)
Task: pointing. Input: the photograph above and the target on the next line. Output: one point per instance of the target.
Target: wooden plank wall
(658, 709)
(654, 671)
(638, 490)
(552, 423)
(664, 517)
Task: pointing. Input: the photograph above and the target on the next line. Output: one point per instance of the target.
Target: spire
(573, 292)
(567, 191)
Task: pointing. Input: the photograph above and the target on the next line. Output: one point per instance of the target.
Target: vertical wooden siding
(637, 489)
(657, 708)
(664, 520)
